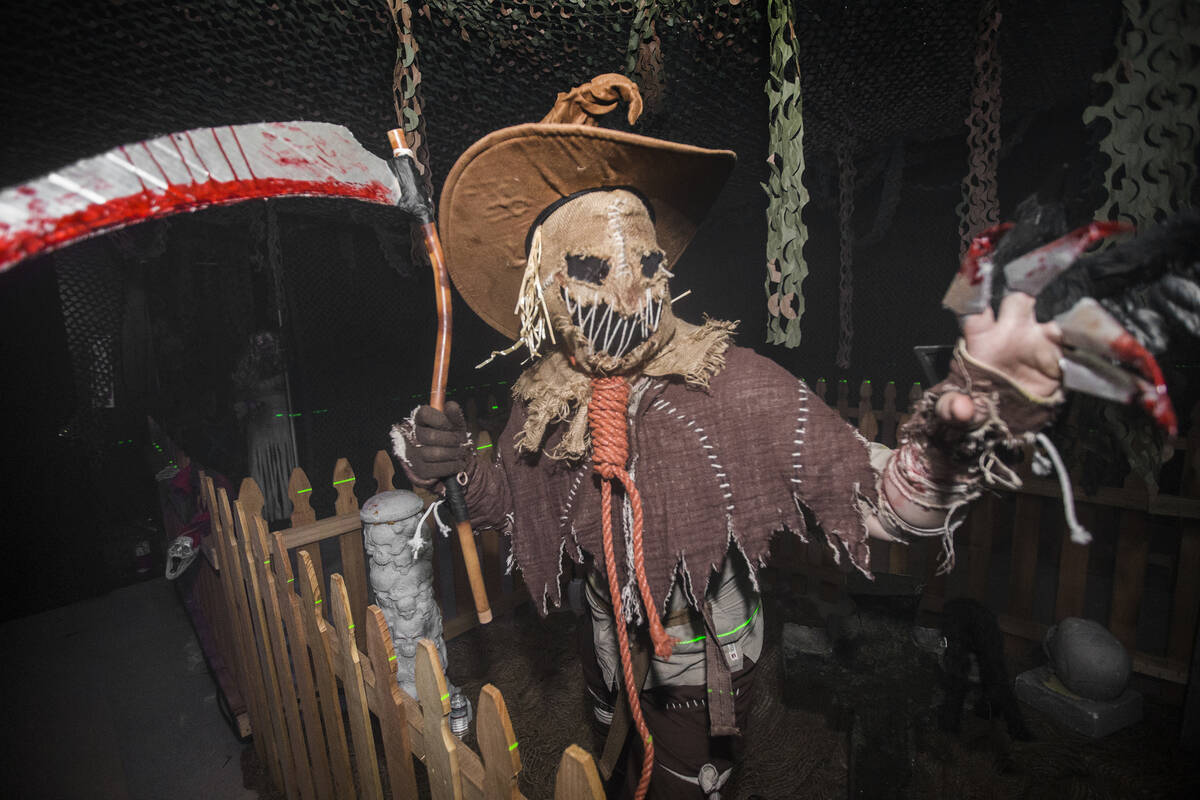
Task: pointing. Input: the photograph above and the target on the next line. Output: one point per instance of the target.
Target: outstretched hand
(1014, 343)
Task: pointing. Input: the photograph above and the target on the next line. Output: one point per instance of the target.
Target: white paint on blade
(72, 186)
(192, 167)
(135, 169)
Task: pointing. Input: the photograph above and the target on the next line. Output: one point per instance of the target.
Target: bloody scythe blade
(185, 172)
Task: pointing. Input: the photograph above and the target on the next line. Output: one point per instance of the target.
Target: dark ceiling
(84, 76)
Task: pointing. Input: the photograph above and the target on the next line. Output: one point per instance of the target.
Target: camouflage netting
(886, 86)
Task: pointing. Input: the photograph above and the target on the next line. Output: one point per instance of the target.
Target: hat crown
(585, 104)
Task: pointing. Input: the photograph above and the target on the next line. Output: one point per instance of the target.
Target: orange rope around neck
(610, 453)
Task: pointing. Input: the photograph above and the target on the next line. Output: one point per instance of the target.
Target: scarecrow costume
(653, 449)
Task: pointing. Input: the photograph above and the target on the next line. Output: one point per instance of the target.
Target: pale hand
(1014, 343)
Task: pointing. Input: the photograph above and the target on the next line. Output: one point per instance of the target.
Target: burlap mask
(602, 282)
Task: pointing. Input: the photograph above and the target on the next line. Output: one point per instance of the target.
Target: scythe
(205, 167)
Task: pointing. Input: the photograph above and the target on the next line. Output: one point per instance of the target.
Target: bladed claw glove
(432, 445)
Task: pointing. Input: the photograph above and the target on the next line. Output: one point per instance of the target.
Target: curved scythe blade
(185, 172)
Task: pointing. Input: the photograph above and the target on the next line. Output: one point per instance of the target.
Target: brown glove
(432, 445)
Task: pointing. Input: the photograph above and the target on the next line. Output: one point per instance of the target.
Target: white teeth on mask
(567, 298)
(629, 329)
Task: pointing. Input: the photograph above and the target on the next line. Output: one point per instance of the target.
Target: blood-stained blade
(185, 172)
(971, 290)
(1031, 272)
(1089, 330)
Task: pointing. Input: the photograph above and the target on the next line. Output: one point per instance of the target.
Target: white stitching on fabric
(801, 419)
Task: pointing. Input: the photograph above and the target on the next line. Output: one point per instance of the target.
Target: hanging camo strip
(786, 194)
(1153, 114)
(643, 57)
(846, 176)
(406, 89)
(980, 206)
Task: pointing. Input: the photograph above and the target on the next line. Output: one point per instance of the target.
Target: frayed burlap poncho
(732, 462)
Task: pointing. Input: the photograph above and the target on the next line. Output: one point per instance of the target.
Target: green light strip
(319, 599)
(392, 657)
(702, 636)
(344, 480)
(290, 580)
(446, 696)
(303, 491)
(351, 626)
(512, 747)
(483, 447)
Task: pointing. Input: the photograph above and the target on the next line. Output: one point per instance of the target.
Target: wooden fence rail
(319, 675)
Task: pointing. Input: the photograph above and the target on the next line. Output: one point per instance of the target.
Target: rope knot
(606, 417)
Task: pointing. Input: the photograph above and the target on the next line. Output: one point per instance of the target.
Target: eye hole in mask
(587, 268)
(650, 264)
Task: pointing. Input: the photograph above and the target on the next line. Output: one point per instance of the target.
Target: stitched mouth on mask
(606, 331)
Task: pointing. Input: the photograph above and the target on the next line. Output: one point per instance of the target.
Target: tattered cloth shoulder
(732, 461)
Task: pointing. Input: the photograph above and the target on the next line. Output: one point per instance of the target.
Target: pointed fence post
(300, 493)
(577, 777)
(441, 747)
(312, 602)
(356, 695)
(354, 566)
(384, 472)
(497, 746)
(868, 425)
(389, 707)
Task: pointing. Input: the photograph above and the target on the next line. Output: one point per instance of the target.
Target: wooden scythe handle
(437, 392)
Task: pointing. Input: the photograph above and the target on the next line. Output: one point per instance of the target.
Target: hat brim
(500, 185)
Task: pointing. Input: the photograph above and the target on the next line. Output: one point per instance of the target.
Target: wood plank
(247, 651)
(384, 699)
(251, 497)
(319, 636)
(1073, 567)
(266, 660)
(260, 561)
(328, 528)
(1129, 577)
(498, 745)
(300, 493)
(868, 425)
(1186, 600)
(354, 565)
(1026, 531)
(578, 778)
(384, 472)
(981, 523)
(441, 747)
(342, 624)
(296, 631)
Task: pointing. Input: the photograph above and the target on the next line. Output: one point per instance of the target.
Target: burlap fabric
(731, 463)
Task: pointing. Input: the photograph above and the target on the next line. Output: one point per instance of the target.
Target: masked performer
(658, 451)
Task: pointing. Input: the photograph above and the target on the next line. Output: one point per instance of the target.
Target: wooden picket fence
(315, 667)
(1036, 513)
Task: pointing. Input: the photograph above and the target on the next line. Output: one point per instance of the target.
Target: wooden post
(1073, 567)
(577, 777)
(311, 602)
(497, 746)
(356, 696)
(868, 425)
(296, 631)
(248, 678)
(251, 497)
(300, 493)
(1129, 576)
(889, 417)
(1026, 530)
(258, 559)
(262, 639)
(384, 472)
(441, 748)
(389, 707)
(354, 565)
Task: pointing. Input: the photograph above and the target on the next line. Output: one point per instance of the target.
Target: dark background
(157, 315)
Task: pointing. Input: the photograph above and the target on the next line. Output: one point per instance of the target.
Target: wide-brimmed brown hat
(498, 188)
